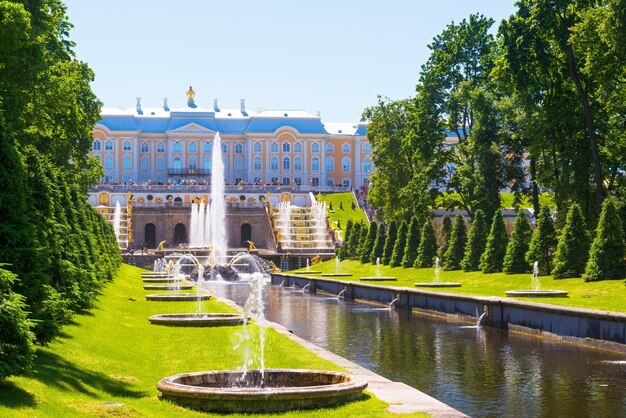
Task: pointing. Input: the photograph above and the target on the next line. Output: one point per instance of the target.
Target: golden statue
(160, 247)
(250, 246)
(316, 259)
(190, 95)
(273, 266)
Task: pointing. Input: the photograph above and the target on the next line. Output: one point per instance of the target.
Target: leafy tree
(444, 236)
(390, 241)
(606, 259)
(572, 250)
(368, 245)
(515, 258)
(543, 241)
(456, 248)
(412, 243)
(379, 242)
(427, 250)
(492, 259)
(476, 243)
(400, 244)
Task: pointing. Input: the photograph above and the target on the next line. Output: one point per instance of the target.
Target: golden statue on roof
(190, 95)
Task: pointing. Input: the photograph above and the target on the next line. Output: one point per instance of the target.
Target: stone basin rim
(536, 293)
(437, 284)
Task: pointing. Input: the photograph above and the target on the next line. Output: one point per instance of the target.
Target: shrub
(398, 247)
(427, 250)
(377, 249)
(606, 259)
(476, 243)
(343, 250)
(444, 236)
(515, 258)
(412, 243)
(572, 250)
(542, 242)
(389, 243)
(492, 259)
(368, 245)
(456, 245)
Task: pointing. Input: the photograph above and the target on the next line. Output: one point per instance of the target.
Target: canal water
(483, 372)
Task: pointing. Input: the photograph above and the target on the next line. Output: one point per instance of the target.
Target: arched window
(274, 164)
(145, 164)
(208, 164)
(297, 163)
(225, 163)
(345, 164)
(180, 233)
(297, 147)
(367, 166)
(108, 162)
(126, 146)
(286, 146)
(160, 147)
(246, 233)
(127, 162)
(367, 148)
(177, 164)
(330, 164)
(208, 147)
(224, 148)
(177, 147)
(315, 164)
(286, 163)
(150, 235)
(345, 148)
(238, 149)
(315, 148)
(257, 163)
(274, 147)
(108, 146)
(193, 163)
(330, 147)
(257, 147)
(97, 145)
(193, 147)
(238, 164)
(144, 147)
(160, 163)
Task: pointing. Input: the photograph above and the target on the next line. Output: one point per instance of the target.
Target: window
(257, 163)
(126, 146)
(257, 147)
(274, 164)
(257, 180)
(315, 164)
(177, 164)
(160, 163)
(144, 164)
(367, 166)
(315, 148)
(297, 163)
(286, 163)
(330, 147)
(330, 182)
(177, 147)
(274, 147)
(127, 163)
(208, 147)
(315, 181)
(274, 180)
(238, 149)
(286, 181)
(160, 147)
(367, 148)
(224, 148)
(238, 164)
(330, 164)
(193, 163)
(286, 146)
(345, 182)
(192, 147)
(298, 181)
(207, 164)
(97, 145)
(108, 162)
(144, 147)
(108, 146)
(297, 147)
(345, 164)
(345, 148)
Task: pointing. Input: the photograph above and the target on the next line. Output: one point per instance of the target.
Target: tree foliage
(390, 241)
(606, 259)
(379, 243)
(515, 258)
(398, 246)
(427, 250)
(456, 249)
(542, 243)
(412, 243)
(572, 250)
(476, 243)
(444, 235)
(492, 259)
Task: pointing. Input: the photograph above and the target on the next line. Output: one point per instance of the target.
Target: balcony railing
(206, 188)
(188, 171)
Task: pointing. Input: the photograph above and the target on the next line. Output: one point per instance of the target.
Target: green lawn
(112, 354)
(342, 216)
(607, 295)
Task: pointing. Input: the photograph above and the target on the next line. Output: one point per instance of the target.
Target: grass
(609, 295)
(112, 354)
(345, 200)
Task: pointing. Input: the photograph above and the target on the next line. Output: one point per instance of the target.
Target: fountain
(303, 229)
(337, 273)
(378, 277)
(340, 295)
(536, 288)
(397, 298)
(308, 269)
(260, 390)
(306, 286)
(436, 282)
(117, 220)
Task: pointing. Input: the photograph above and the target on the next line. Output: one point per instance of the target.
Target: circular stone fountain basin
(156, 275)
(163, 279)
(537, 293)
(307, 272)
(336, 274)
(438, 284)
(377, 279)
(196, 320)
(278, 390)
(177, 297)
(168, 287)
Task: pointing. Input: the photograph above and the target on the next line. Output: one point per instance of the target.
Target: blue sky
(328, 56)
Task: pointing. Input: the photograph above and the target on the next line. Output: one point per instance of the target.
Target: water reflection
(480, 371)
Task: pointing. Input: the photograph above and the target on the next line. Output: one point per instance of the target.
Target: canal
(483, 372)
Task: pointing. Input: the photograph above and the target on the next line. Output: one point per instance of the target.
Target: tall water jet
(117, 220)
(534, 280)
(217, 213)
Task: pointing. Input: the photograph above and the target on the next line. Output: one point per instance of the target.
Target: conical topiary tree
(343, 251)
(392, 234)
(572, 250)
(427, 250)
(362, 242)
(444, 236)
(476, 243)
(412, 243)
(542, 242)
(366, 250)
(398, 247)
(377, 249)
(456, 246)
(492, 259)
(353, 240)
(606, 259)
(515, 258)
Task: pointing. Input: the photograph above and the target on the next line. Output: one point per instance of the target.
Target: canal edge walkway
(400, 397)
